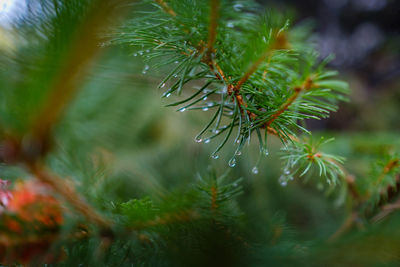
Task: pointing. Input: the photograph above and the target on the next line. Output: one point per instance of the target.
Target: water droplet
(264, 39)
(205, 98)
(210, 104)
(266, 152)
(215, 131)
(283, 180)
(147, 51)
(141, 53)
(238, 141)
(230, 113)
(230, 25)
(235, 184)
(254, 170)
(214, 156)
(238, 7)
(182, 109)
(198, 139)
(175, 75)
(238, 152)
(206, 141)
(162, 85)
(146, 68)
(205, 109)
(232, 162)
(135, 55)
(168, 95)
(176, 62)
(286, 171)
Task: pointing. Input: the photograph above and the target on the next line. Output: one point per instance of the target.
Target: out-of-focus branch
(83, 49)
(68, 192)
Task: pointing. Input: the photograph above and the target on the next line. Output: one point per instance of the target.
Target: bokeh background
(364, 36)
(146, 149)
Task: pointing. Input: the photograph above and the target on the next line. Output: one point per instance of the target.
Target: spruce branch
(261, 93)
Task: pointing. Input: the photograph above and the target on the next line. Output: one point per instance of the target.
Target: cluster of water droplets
(145, 69)
(238, 7)
(285, 177)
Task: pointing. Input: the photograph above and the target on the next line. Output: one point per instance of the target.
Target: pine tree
(86, 180)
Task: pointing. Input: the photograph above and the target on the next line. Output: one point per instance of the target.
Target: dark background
(364, 36)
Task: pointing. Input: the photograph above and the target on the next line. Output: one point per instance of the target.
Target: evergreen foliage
(87, 179)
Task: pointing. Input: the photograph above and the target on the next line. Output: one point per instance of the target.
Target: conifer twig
(388, 167)
(296, 92)
(253, 68)
(346, 226)
(68, 192)
(280, 42)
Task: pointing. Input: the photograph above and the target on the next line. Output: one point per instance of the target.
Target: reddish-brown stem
(284, 106)
(253, 68)
(212, 29)
(388, 167)
(296, 92)
(214, 204)
(166, 7)
(346, 226)
(68, 192)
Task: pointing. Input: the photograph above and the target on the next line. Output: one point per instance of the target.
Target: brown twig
(346, 226)
(386, 210)
(166, 8)
(388, 167)
(308, 84)
(253, 68)
(68, 192)
(214, 204)
(212, 29)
